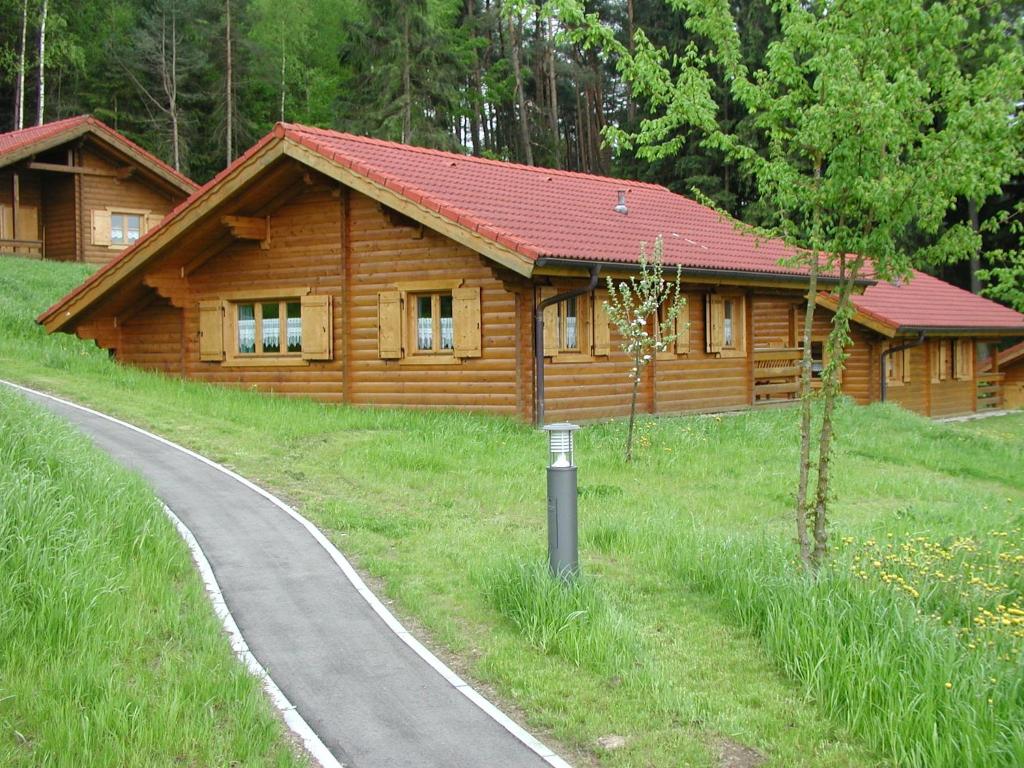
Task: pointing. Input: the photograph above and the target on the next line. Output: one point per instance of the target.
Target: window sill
(732, 353)
(431, 360)
(571, 357)
(265, 362)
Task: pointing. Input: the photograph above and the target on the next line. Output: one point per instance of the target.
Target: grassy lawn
(691, 631)
(109, 651)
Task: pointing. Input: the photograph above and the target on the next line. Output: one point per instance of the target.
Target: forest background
(198, 81)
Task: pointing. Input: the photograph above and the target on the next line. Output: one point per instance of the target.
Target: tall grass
(898, 678)
(691, 604)
(109, 652)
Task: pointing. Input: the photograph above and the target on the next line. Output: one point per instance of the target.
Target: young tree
(876, 116)
(644, 310)
(19, 86)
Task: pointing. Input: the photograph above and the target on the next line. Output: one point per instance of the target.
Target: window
(268, 328)
(897, 366)
(125, 228)
(433, 325)
(252, 330)
(121, 228)
(429, 322)
(726, 325)
(963, 359)
(568, 324)
(939, 353)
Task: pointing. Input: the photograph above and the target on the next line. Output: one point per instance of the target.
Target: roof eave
(735, 274)
(961, 330)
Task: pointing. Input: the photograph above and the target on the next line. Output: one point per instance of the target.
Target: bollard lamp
(560, 445)
(563, 534)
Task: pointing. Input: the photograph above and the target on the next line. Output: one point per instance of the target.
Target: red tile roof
(542, 213)
(925, 302)
(13, 144)
(556, 214)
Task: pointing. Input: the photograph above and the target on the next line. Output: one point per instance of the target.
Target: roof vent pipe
(620, 207)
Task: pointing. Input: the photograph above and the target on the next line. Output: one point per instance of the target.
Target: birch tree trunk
(42, 64)
(19, 86)
(229, 87)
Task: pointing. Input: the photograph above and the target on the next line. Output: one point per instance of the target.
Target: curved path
(373, 696)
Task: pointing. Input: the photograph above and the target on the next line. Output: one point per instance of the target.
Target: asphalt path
(371, 693)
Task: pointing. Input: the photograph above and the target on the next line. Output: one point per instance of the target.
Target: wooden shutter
(906, 353)
(317, 336)
(550, 323)
(715, 321)
(683, 330)
(152, 220)
(211, 329)
(602, 331)
(943, 359)
(100, 227)
(466, 317)
(6, 222)
(389, 325)
(28, 222)
(963, 359)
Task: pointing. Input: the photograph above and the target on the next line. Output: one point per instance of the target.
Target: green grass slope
(109, 650)
(692, 631)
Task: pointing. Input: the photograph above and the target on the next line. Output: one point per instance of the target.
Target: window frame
(412, 324)
(939, 363)
(963, 350)
(563, 326)
(738, 325)
(234, 358)
(124, 242)
(891, 368)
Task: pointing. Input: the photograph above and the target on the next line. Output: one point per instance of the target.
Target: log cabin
(77, 190)
(360, 271)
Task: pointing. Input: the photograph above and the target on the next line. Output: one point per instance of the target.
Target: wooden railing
(776, 374)
(22, 247)
(990, 391)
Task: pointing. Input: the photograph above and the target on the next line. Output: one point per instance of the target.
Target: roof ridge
(330, 133)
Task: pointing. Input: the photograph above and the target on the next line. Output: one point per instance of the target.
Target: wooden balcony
(30, 248)
(776, 374)
(990, 391)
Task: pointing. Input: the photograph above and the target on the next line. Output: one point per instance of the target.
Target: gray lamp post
(563, 538)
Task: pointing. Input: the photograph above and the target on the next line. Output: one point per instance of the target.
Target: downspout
(538, 338)
(883, 379)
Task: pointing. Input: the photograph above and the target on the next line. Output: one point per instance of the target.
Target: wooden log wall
(949, 396)
(384, 254)
(61, 240)
(101, 192)
(153, 338)
(305, 253)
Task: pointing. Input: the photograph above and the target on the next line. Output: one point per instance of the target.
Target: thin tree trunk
(19, 87)
(42, 64)
(475, 81)
(632, 410)
(556, 141)
(283, 86)
(631, 47)
(406, 82)
(972, 213)
(229, 87)
(524, 123)
(171, 88)
(830, 391)
(805, 416)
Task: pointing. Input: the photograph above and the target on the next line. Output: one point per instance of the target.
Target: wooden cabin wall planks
(348, 253)
(103, 192)
(383, 256)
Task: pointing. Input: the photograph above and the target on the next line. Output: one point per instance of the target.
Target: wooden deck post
(16, 195)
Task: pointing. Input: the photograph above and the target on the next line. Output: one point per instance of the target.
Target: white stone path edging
(292, 718)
